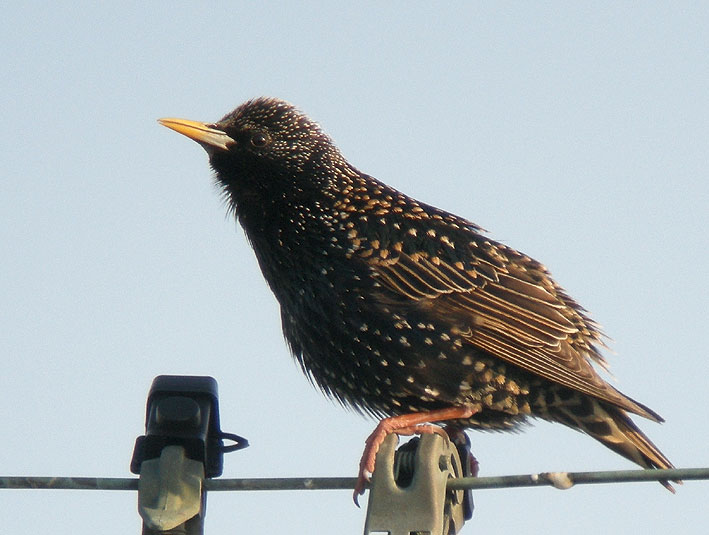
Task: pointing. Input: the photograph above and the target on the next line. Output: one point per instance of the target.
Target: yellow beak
(207, 136)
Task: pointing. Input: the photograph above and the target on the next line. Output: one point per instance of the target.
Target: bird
(404, 311)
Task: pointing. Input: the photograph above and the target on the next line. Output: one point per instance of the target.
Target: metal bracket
(183, 444)
(408, 495)
(170, 489)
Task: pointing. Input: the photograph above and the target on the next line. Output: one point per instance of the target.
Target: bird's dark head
(266, 150)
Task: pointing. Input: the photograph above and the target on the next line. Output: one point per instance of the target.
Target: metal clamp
(170, 489)
(182, 446)
(408, 493)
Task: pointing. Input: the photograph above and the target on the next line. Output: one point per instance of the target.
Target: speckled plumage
(392, 306)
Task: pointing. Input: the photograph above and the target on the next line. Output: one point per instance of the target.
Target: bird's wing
(508, 306)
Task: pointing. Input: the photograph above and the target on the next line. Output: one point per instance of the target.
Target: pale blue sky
(579, 135)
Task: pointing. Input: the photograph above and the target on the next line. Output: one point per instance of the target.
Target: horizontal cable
(556, 479)
(567, 479)
(69, 483)
(283, 483)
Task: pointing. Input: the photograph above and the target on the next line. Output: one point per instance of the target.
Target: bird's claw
(365, 476)
(410, 424)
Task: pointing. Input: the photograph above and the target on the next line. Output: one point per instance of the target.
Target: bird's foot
(374, 441)
(406, 424)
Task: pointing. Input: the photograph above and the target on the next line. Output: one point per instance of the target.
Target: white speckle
(410, 379)
(445, 337)
(383, 362)
(364, 328)
(467, 361)
(442, 356)
(404, 342)
(428, 341)
(431, 233)
(400, 363)
(431, 391)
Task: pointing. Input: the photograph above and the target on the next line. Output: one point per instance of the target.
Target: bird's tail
(610, 425)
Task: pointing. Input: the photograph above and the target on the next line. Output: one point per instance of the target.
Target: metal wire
(556, 479)
(567, 479)
(69, 483)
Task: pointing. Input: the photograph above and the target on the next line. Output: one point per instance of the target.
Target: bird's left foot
(405, 424)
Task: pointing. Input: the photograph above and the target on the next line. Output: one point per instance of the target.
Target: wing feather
(519, 315)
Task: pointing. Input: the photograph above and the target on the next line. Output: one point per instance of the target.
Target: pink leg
(405, 424)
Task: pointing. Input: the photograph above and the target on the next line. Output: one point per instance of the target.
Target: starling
(404, 311)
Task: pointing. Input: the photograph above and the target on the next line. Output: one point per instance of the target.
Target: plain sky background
(577, 134)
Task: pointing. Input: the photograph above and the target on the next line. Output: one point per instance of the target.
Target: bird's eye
(259, 140)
